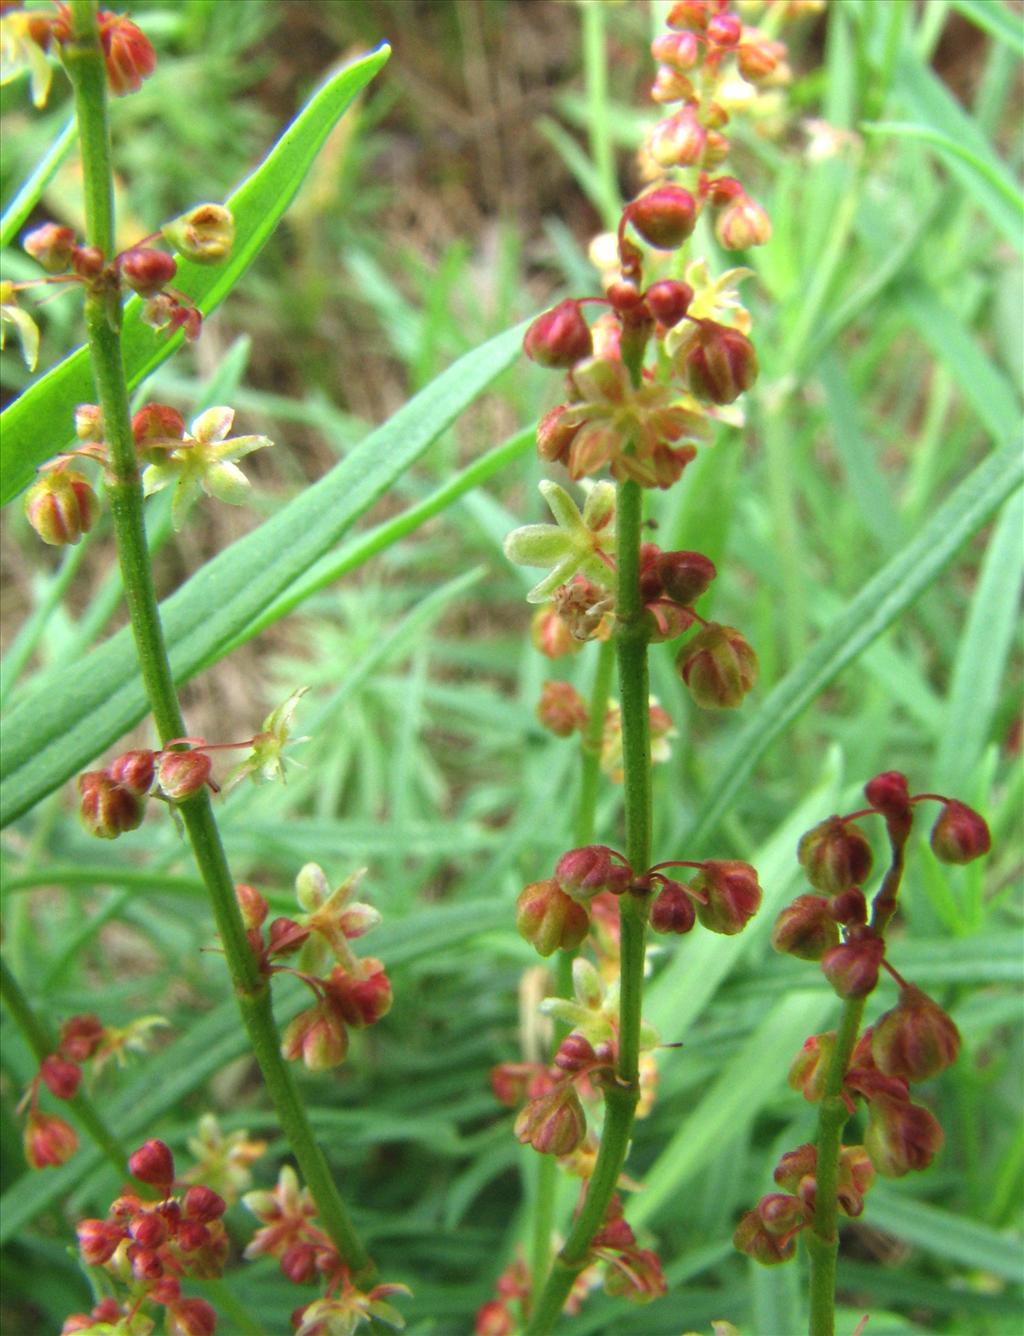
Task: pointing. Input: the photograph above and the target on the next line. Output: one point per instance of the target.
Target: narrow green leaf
(995, 17)
(17, 212)
(881, 601)
(72, 715)
(257, 205)
(944, 1234)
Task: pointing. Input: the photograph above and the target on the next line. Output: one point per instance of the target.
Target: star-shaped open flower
(266, 758)
(576, 542)
(24, 326)
(204, 461)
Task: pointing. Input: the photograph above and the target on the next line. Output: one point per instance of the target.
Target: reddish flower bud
(106, 809)
(849, 907)
(148, 1229)
(805, 928)
(548, 918)
(575, 1053)
(782, 1213)
(494, 1319)
(795, 1166)
(48, 1140)
(204, 235)
(561, 709)
(901, 1136)
(98, 1240)
(742, 225)
(852, 968)
(360, 1001)
(556, 432)
(190, 1317)
(678, 49)
(551, 636)
(960, 834)
(52, 246)
(60, 1078)
(182, 773)
(689, 14)
(664, 217)
(316, 1037)
(718, 666)
(668, 301)
(80, 1036)
(673, 910)
(201, 1203)
(253, 906)
(724, 29)
(513, 1082)
(153, 1163)
(553, 1124)
(685, 576)
(285, 936)
(560, 337)
(733, 895)
(640, 1279)
(757, 60)
(670, 86)
(127, 53)
(719, 363)
(835, 856)
(298, 1263)
(134, 771)
(87, 262)
(679, 140)
(888, 793)
(856, 1175)
(916, 1039)
(583, 873)
(157, 422)
(61, 507)
(809, 1070)
(147, 271)
(89, 422)
(751, 1237)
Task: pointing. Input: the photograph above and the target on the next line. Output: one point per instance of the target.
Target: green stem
(621, 1098)
(84, 61)
(40, 1042)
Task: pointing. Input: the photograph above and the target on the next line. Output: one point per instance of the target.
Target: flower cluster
(113, 799)
(306, 1254)
(911, 1042)
(351, 992)
(222, 1158)
(27, 35)
(49, 1140)
(148, 1247)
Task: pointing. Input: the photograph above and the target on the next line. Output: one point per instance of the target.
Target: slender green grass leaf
(974, 691)
(884, 598)
(994, 17)
(71, 716)
(257, 205)
(775, 1292)
(945, 1234)
(17, 212)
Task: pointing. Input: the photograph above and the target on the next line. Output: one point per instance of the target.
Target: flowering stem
(84, 60)
(621, 1098)
(41, 1044)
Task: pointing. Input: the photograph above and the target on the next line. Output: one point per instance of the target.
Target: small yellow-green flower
(266, 759)
(24, 326)
(204, 461)
(19, 51)
(576, 542)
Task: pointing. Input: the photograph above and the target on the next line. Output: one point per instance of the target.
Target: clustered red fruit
(113, 800)
(913, 1041)
(151, 1246)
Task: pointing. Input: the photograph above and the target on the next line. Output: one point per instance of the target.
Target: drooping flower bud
(664, 217)
(732, 895)
(61, 1078)
(51, 246)
(554, 1123)
(153, 1163)
(724, 29)
(781, 1213)
(560, 337)
(548, 918)
(679, 140)
(678, 49)
(127, 53)
(204, 234)
(317, 1037)
(757, 60)
(179, 774)
(809, 1070)
(575, 1053)
(640, 1281)
(134, 771)
(835, 856)
(668, 301)
(916, 1039)
(960, 834)
(718, 666)
(87, 262)
(796, 1165)
(684, 575)
(146, 270)
(751, 1237)
(805, 928)
(718, 363)
(852, 968)
(191, 1317)
(901, 1136)
(856, 1175)
(61, 507)
(98, 1240)
(360, 1001)
(550, 635)
(80, 1036)
(584, 873)
(888, 793)
(107, 810)
(849, 907)
(743, 224)
(253, 906)
(561, 708)
(673, 910)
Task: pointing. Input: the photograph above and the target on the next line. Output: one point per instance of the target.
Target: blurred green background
(458, 197)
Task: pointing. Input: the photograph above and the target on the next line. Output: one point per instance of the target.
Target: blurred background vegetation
(457, 198)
